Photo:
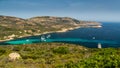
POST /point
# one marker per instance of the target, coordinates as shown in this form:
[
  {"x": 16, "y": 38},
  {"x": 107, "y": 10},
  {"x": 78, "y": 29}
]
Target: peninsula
[{"x": 14, "y": 27}]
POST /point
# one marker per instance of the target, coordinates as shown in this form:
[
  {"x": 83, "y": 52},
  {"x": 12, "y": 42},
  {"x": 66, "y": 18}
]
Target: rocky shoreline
[
  {"x": 14, "y": 27},
  {"x": 59, "y": 31}
]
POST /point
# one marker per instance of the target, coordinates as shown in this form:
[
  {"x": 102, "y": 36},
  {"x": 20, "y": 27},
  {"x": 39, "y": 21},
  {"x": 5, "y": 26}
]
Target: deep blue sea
[{"x": 107, "y": 36}]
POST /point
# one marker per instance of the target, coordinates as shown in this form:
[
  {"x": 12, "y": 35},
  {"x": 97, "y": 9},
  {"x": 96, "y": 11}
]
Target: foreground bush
[
  {"x": 59, "y": 55},
  {"x": 103, "y": 58},
  {"x": 61, "y": 50}
]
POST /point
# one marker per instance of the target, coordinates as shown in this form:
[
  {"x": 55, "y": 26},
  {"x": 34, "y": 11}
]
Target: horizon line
[{"x": 61, "y": 16}]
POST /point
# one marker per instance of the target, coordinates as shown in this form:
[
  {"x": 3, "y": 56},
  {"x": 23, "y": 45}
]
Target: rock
[{"x": 14, "y": 56}]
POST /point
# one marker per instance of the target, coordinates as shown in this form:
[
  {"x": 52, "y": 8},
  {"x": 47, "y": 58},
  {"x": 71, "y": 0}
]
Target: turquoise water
[
  {"x": 26, "y": 41},
  {"x": 108, "y": 36},
  {"x": 29, "y": 41}
]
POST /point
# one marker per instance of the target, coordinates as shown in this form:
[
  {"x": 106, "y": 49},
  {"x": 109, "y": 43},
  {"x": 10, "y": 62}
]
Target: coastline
[{"x": 59, "y": 31}]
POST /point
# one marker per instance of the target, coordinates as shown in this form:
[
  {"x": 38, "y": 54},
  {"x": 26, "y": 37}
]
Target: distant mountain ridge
[{"x": 13, "y": 25}]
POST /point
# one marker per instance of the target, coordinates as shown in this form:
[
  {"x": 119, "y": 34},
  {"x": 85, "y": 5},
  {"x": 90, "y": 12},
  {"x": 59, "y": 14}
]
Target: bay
[{"x": 107, "y": 36}]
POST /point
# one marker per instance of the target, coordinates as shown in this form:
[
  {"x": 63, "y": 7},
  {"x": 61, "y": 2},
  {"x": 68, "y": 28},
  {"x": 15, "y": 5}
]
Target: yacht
[{"x": 99, "y": 45}]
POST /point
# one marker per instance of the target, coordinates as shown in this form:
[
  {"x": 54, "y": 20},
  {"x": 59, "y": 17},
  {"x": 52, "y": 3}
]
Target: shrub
[
  {"x": 17, "y": 48},
  {"x": 2, "y": 51},
  {"x": 61, "y": 50}
]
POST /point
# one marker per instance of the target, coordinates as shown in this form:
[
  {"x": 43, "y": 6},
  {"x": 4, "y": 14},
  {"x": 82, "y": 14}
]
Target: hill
[{"x": 13, "y": 27}]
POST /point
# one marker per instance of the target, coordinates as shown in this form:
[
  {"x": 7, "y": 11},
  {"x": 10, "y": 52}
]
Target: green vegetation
[
  {"x": 59, "y": 55},
  {"x": 101, "y": 58},
  {"x": 61, "y": 50},
  {"x": 13, "y": 27}
]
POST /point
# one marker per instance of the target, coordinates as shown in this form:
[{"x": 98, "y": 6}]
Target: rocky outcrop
[{"x": 14, "y": 56}]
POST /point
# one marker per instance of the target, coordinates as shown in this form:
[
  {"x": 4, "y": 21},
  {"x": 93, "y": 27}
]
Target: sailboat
[
  {"x": 99, "y": 45},
  {"x": 43, "y": 38},
  {"x": 93, "y": 38}
]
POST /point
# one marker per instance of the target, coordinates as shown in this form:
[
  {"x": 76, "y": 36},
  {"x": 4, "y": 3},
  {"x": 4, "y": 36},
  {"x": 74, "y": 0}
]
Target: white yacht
[{"x": 99, "y": 45}]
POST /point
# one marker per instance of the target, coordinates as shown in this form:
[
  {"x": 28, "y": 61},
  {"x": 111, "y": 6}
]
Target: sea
[{"x": 107, "y": 36}]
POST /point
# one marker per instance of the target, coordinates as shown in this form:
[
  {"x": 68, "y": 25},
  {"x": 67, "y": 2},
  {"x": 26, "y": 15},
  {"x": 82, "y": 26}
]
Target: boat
[
  {"x": 48, "y": 36},
  {"x": 93, "y": 38},
  {"x": 99, "y": 45},
  {"x": 43, "y": 38},
  {"x": 27, "y": 40}
]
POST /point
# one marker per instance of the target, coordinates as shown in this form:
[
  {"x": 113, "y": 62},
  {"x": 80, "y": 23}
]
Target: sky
[{"x": 89, "y": 10}]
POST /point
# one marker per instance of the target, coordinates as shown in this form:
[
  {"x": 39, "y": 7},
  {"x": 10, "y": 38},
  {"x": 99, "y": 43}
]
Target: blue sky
[{"x": 93, "y": 10}]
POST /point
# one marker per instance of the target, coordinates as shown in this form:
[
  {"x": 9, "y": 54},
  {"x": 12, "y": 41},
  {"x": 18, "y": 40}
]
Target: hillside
[
  {"x": 13, "y": 27},
  {"x": 59, "y": 55}
]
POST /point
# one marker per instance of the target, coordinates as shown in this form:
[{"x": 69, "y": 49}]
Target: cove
[
  {"x": 108, "y": 36},
  {"x": 30, "y": 41}
]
